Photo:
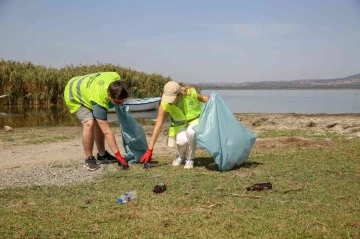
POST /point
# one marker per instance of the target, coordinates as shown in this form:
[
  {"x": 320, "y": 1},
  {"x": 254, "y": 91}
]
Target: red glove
[
  {"x": 146, "y": 158},
  {"x": 121, "y": 161}
]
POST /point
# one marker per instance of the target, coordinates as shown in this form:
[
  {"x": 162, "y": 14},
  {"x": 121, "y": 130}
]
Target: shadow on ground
[{"x": 210, "y": 164}]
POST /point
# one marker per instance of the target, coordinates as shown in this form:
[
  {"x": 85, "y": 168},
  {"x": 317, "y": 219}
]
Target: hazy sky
[{"x": 189, "y": 40}]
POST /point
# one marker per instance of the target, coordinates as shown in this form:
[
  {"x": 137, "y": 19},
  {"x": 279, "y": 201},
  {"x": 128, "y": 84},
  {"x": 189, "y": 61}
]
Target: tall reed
[{"x": 30, "y": 84}]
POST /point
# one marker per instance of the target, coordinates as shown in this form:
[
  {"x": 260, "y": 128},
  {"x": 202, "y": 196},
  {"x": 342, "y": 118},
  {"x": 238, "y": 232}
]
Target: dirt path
[{"x": 18, "y": 149}]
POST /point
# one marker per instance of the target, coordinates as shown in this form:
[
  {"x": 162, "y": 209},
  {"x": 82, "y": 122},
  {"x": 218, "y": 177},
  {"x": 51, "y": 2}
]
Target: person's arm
[
  {"x": 146, "y": 158},
  {"x": 100, "y": 114},
  {"x": 157, "y": 128},
  {"x": 108, "y": 134},
  {"x": 110, "y": 139},
  {"x": 203, "y": 98}
]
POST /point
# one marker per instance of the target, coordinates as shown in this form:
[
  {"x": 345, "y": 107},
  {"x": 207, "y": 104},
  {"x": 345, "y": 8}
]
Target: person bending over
[
  {"x": 89, "y": 97},
  {"x": 183, "y": 104}
]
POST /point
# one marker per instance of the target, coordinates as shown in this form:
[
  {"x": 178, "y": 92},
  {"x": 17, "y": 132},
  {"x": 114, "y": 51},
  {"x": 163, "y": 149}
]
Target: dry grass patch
[
  {"x": 291, "y": 142},
  {"x": 22, "y": 136}
]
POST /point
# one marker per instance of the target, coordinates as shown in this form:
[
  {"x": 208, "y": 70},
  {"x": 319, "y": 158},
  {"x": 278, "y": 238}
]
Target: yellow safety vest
[
  {"x": 183, "y": 113},
  {"x": 80, "y": 90}
]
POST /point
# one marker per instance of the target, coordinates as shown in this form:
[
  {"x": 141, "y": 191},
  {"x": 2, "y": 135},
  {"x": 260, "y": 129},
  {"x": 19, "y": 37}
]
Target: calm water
[
  {"x": 239, "y": 101},
  {"x": 291, "y": 101},
  {"x": 56, "y": 116}
]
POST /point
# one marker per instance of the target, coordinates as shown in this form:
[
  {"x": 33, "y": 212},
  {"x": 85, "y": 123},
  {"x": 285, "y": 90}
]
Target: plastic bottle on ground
[{"x": 127, "y": 197}]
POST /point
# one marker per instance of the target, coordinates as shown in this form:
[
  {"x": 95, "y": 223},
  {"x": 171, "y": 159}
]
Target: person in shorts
[{"x": 90, "y": 97}]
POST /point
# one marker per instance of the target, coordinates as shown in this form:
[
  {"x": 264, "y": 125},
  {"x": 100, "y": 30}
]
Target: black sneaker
[
  {"x": 107, "y": 158},
  {"x": 90, "y": 164}
]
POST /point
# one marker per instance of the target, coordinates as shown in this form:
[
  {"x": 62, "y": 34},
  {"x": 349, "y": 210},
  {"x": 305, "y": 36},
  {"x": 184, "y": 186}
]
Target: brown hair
[{"x": 118, "y": 90}]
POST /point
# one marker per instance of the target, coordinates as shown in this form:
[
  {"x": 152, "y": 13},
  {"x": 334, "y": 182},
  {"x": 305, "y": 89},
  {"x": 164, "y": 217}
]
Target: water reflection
[{"x": 18, "y": 116}]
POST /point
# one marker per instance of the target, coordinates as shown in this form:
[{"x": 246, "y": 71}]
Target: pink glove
[
  {"x": 121, "y": 161},
  {"x": 146, "y": 158}
]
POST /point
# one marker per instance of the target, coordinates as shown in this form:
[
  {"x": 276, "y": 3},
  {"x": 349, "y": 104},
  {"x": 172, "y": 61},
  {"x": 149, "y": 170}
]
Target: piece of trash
[
  {"x": 160, "y": 188},
  {"x": 260, "y": 186},
  {"x": 127, "y": 197},
  {"x": 8, "y": 128}
]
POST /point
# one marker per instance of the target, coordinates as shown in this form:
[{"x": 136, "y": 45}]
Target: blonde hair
[{"x": 185, "y": 88}]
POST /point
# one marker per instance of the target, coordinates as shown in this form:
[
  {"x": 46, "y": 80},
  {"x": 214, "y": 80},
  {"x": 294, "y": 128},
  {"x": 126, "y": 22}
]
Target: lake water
[
  {"x": 239, "y": 101},
  {"x": 291, "y": 101},
  {"x": 56, "y": 116}
]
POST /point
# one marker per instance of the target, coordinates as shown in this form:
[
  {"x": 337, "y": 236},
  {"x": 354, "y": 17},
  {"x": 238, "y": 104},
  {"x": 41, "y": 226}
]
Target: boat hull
[
  {"x": 143, "y": 104},
  {"x": 144, "y": 107},
  {"x": 3, "y": 98}
]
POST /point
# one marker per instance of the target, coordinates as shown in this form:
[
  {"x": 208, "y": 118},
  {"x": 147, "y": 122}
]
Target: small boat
[
  {"x": 3, "y": 98},
  {"x": 141, "y": 104},
  {"x": 138, "y": 115}
]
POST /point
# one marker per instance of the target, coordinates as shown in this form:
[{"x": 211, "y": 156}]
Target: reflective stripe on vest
[
  {"x": 183, "y": 122},
  {"x": 78, "y": 93},
  {"x": 83, "y": 90}
]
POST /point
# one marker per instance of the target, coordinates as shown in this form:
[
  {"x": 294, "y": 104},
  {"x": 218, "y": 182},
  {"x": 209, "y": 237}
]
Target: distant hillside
[{"x": 350, "y": 82}]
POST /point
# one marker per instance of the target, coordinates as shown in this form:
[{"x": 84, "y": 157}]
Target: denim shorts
[{"x": 84, "y": 114}]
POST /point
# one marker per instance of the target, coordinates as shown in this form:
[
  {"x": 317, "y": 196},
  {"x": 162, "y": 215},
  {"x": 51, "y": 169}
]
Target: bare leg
[
  {"x": 99, "y": 138},
  {"x": 88, "y": 137}
]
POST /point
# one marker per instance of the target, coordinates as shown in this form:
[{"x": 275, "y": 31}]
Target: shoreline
[{"x": 54, "y": 155}]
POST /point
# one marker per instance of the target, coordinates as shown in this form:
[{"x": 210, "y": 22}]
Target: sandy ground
[{"x": 18, "y": 153}]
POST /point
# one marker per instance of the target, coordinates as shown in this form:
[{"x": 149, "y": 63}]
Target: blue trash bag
[
  {"x": 133, "y": 135},
  {"x": 222, "y": 135}
]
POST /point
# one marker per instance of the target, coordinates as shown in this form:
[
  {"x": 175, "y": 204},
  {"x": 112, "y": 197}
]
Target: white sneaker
[
  {"x": 178, "y": 161},
  {"x": 189, "y": 164}
]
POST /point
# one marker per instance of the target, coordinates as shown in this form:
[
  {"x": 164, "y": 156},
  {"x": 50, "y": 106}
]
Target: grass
[
  {"x": 316, "y": 194},
  {"x": 311, "y": 134},
  {"x": 39, "y": 135}
]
